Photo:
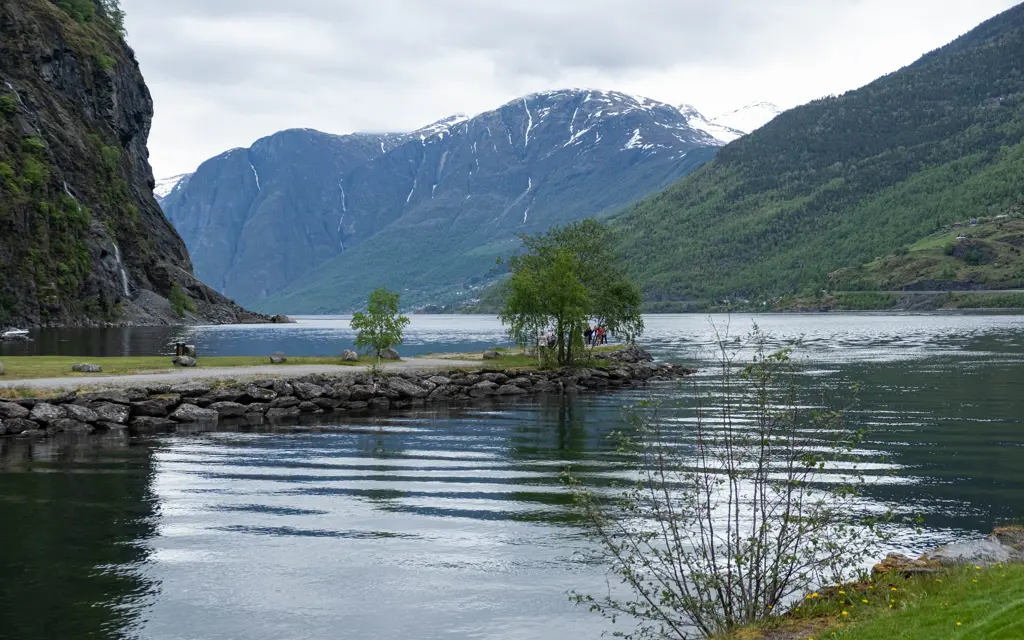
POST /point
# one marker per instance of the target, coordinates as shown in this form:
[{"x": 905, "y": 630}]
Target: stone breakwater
[{"x": 281, "y": 400}]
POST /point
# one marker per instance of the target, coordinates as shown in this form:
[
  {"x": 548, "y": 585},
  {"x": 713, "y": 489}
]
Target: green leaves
[
  {"x": 568, "y": 278},
  {"x": 380, "y": 328}
]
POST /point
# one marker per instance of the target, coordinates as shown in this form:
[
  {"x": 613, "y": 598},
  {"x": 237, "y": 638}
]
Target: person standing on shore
[{"x": 588, "y": 336}]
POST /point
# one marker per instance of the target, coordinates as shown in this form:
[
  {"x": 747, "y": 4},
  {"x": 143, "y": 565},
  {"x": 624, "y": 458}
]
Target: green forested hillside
[{"x": 843, "y": 180}]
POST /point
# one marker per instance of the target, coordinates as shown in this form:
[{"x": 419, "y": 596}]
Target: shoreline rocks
[
  {"x": 1004, "y": 545},
  {"x": 279, "y": 400}
]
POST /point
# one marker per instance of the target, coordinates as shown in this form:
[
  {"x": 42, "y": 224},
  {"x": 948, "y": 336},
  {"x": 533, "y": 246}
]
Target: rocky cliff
[
  {"x": 310, "y": 222},
  {"x": 82, "y": 240}
]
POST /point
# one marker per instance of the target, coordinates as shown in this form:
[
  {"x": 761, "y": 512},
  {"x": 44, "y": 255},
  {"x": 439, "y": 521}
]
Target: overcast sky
[{"x": 226, "y": 72}]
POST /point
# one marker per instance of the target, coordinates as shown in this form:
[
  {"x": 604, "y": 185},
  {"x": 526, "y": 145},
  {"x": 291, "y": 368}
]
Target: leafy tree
[
  {"x": 380, "y": 328},
  {"x": 726, "y": 522},
  {"x": 565, "y": 279}
]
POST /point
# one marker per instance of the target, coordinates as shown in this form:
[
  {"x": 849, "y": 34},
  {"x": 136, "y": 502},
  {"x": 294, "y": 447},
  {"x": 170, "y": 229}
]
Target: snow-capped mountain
[
  {"x": 318, "y": 220},
  {"x": 696, "y": 119},
  {"x": 164, "y": 186},
  {"x": 732, "y": 125},
  {"x": 749, "y": 118}
]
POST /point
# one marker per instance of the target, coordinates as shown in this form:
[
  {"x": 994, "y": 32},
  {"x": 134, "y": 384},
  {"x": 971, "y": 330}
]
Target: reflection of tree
[{"x": 75, "y": 519}]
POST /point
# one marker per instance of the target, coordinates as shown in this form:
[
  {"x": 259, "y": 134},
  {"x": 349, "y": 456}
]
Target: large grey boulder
[
  {"x": 362, "y": 393},
  {"x": 257, "y": 407},
  {"x": 184, "y": 361},
  {"x": 406, "y": 389},
  {"x": 86, "y": 368},
  {"x": 17, "y": 426},
  {"x": 310, "y": 407},
  {"x": 10, "y": 411},
  {"x": 485, "y": 388},
  {"x": 389, "y": 354},
  {"x": 46, "y": 413},
  {"x": 110, "y": 412},
  {"x": 278, "y": 358},
  {"x": 281, "y": 388},
  {"x": 987, "y": 551},
  {"x": 491, "y": 355},
  {"x": 379, "y": 404},
  {"x": 228, "y": 409},
  {"x": 349, "y": 355},
  {"x": 192, "y": 413},
  {"x": 287, "y": 402},
  {"x": 307, "y": 391},
  {"x": 191, "y": 389},
  {"x": 155, "y": 408},
  {"x": 80, "y": 413},
  {"x": 254, "y": 393}
]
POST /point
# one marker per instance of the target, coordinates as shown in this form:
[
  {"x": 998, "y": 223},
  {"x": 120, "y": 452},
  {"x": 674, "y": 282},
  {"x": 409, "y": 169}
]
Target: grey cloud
[{"x": 225, "y": 72}]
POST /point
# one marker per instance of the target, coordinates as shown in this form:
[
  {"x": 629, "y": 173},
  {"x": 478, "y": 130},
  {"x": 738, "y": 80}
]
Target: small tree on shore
[
  {"x": 727, "y": 522},
  {"x": 381, "y": 327},
  {"x": 565, "y": 279}
]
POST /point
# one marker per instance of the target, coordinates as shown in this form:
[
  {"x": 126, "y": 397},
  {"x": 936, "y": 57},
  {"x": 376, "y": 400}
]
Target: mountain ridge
[
  {"x": 465, "y": 185},
  {"x": 837, "y": 182}
]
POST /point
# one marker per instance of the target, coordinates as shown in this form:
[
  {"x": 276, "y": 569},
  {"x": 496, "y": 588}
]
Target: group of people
[
  {"x": 592, "y": 337},
  {"x": 595, "y": 336}
]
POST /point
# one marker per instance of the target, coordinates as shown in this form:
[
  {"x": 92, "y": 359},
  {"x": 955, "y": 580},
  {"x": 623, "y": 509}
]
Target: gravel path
[{"x": 228, "y": 373}]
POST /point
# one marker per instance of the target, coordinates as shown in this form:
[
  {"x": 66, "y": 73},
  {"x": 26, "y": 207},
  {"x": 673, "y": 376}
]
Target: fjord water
[{"x": 455, "y": 524}]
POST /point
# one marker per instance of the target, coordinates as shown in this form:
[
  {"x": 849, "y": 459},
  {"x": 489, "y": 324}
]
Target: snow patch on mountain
[
  {"x": 165, "y": 186},
  {"x": 749, "y": 118}
]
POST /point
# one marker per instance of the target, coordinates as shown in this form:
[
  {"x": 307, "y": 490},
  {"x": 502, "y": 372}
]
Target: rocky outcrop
[
  {"x": 1004, "y": 545},
  {"x": 278, "y": 401},
  {"x": 82, "y": 241}
]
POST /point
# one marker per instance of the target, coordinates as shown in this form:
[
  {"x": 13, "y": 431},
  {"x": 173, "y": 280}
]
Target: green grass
[
  {"x": 968, "y": 602},
  {"x": 33, "y": 367}
]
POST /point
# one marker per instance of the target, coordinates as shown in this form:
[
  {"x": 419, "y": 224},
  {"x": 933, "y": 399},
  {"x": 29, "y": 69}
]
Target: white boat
[{"x": 14, "y": 334}]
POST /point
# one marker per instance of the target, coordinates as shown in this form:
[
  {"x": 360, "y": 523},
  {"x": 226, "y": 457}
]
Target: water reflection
[
  {"x": 76, "y": 517},
  {"x": 456, "y": 522}
]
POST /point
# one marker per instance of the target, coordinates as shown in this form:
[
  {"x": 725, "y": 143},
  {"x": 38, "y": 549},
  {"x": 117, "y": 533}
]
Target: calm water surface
[{"x": 455, "y": 524}]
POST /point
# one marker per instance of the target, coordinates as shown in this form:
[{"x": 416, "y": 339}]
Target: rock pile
[
  {"x": 277, "y": 400},
  {"x": 631, "y": 354}
]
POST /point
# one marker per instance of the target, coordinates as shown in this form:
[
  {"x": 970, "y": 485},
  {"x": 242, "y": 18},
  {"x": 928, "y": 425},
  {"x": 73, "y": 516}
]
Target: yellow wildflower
[
  {"x": 844, "y": 613},
  {"x": 958, "y": 624},
  {"x": 864, "y": 601},
  {"x": 842, "y": 593},
  {"x": 892, "y": 589}
]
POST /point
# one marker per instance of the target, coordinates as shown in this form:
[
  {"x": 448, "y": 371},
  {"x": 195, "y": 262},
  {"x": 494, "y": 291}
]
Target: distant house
[
  {"x": 974, "y": 221},
  {"x": 1003, "y": 217},
  {"x": 961, "y": 238}
]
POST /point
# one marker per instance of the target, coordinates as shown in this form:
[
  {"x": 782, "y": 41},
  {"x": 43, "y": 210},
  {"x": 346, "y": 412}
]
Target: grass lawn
[
  {"x": 969, "y": 602},
  {"x": 515, "y": 358},
  {"x": 32, "y": 367}
]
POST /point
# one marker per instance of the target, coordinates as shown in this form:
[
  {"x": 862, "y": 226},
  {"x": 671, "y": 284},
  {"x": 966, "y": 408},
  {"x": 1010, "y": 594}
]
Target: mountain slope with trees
[{"x": 842, "y": 180}]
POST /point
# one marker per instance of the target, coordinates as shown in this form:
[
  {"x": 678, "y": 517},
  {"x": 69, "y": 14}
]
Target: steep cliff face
[{"x": 82, "y": 240}]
